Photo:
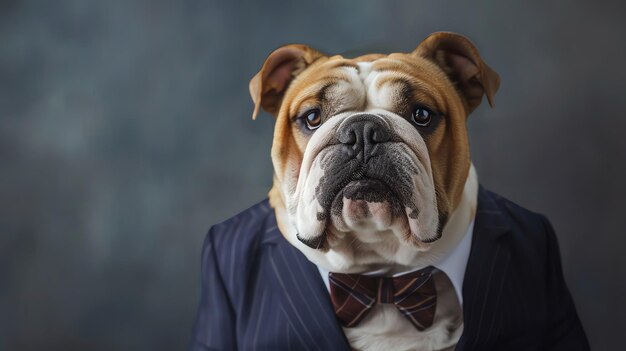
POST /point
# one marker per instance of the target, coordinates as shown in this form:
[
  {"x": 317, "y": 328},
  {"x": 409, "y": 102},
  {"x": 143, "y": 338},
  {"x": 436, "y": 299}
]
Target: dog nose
[{"x": 362, "y": 134}]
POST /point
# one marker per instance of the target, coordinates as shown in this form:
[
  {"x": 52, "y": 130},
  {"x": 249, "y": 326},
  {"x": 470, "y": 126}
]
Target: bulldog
[
  {"x": 372, "y": 169},
  {"x": 377, "y": 234}
]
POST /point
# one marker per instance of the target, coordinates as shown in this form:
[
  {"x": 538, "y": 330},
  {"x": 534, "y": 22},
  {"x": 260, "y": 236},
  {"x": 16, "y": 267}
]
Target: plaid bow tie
[{"x": 414, "y": 295}]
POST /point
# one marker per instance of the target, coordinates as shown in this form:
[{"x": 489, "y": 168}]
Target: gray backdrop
[{"x": 125, "y": 132}]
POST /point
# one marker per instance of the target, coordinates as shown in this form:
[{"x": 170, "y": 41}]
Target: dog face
[{"x": 370, "y": 154}]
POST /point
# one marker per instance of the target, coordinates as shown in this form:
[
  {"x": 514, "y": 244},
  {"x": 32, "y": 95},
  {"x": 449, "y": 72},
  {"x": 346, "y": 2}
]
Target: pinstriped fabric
[
  {"x": 506, "y": 283},
  {"x": 320, "y": 301},
  {"x": 261, "y": 293},
  {"x": 486, "y": 273},
  {"x": 255, "y": 339},
  {"x": 495, "y": 321},
  {"x": 304, "y": 305},
  {"x": 490, "y": 299},
  {"x": 293, "y": 305},
  {"x": 314, "y": 328},
  {"x": 205, "y": 337}
]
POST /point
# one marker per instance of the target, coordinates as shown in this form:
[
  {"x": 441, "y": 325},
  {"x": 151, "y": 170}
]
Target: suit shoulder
[
  {"x": 231, "y": 247},
  {"x": 519, "y": 217},
  {"x": 529, "y": 232},
  {"x": 253, "y": 214},
  {"x": 242, "y": 230}
]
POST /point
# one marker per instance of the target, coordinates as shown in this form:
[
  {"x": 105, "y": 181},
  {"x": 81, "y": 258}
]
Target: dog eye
[
  {"x": 313, "y": 119},
  {"x": 422, "y": 116}
]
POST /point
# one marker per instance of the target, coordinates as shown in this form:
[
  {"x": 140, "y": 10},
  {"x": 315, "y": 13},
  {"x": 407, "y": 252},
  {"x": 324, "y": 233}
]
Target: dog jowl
[{"x": 370, "y": 153}]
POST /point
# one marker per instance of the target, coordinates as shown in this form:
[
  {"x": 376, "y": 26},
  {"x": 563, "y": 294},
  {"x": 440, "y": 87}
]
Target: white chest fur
[{"x": 385, "y": 328}]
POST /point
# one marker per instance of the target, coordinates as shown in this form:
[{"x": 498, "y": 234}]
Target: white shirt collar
[{"x": 453, "y": 265}]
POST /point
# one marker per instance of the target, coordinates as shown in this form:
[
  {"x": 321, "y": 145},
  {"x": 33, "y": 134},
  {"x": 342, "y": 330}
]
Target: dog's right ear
[{"x": 268, "y": 87}]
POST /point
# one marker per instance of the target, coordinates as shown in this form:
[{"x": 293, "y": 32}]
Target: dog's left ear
[
  {"x": 268, "y": 87},
  {"x": 459, "y": 59}
]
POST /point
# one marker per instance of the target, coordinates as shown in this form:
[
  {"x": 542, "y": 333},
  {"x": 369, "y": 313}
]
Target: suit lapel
[
  {"x": 484, "y": 276},
  {"x": 304, "y": 299},
  {"x": 305, "y": 302}
]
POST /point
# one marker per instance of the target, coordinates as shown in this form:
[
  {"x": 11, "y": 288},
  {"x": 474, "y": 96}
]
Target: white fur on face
[{"x": 360, "y": 242}]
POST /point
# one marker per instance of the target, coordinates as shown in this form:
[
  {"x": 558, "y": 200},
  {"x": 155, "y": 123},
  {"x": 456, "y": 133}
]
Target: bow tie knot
[{"x": 414, "y": 294}]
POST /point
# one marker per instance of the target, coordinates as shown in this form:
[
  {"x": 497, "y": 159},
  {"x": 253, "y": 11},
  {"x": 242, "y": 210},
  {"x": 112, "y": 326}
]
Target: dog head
[{"x": 370, "y": 154}]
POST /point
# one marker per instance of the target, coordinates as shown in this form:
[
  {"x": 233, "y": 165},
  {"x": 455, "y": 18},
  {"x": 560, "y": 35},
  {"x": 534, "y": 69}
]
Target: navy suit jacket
[{"x": 261, "y": 293}]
